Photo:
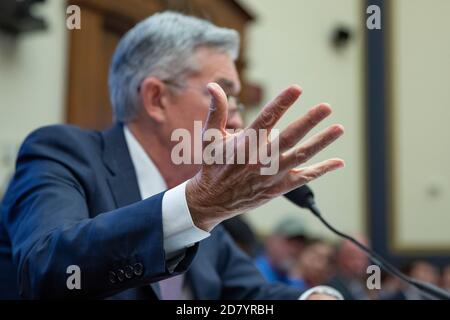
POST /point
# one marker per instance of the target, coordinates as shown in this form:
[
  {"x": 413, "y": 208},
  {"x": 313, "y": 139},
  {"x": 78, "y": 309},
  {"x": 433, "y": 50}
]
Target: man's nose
[{"x": 235, "y": 121}]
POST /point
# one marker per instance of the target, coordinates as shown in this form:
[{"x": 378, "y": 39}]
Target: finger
[
  {"x": 217, "y": 116},
  {"x": 299, "y": 177},
  {"x": 311, "y": 147},
  {"x": 273, "y": 111},
  {"x": 298, "y": 129}
]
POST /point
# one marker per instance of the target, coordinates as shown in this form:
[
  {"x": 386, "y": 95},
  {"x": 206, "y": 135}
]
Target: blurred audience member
[
  {"x": 350, "y": 274},
  {"x": 314, "y": 266},
  {"x": 425, "y": 271},
  {"x": 282, "y": 249},
  {"x": 420, "y": 270},
  {"x": 389, "y": 284},
  {"x": 445, "y": 282}
]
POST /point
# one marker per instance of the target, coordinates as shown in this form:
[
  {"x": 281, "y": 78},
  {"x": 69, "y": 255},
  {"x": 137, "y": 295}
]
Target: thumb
[{"x": 217, "y": 116}]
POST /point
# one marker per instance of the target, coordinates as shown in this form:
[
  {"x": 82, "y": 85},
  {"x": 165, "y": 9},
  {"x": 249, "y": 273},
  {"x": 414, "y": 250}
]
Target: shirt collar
[{"x": 149, "y": 179}]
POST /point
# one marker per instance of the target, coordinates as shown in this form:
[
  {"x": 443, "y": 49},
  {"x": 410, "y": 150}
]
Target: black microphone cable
[{"x": 307, "y": 201}]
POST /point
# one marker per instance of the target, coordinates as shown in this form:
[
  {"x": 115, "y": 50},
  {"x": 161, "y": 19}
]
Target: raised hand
[{"x": 222, "y": 190}]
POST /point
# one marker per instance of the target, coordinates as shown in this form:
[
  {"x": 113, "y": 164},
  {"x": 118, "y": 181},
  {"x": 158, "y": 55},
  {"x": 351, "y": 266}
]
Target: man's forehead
[{"x": 218, "y": 67}]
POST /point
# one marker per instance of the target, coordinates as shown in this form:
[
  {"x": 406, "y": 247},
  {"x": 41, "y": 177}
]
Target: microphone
[{"x": 304, "y": 198}]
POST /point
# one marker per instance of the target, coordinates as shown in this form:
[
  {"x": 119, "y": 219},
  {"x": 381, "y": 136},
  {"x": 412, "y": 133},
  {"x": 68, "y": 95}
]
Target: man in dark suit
[
  {"x": 118, "y": 207},
  {"x": 351, "y": 268}
]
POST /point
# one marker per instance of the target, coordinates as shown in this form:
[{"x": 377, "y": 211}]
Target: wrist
[{"x": 199, "y": 212}]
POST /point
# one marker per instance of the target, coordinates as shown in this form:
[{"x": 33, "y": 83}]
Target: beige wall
[
  {"x": 290, "y": 43},
  {"x": 32, "y": 82},
  {"x": 421, "y": 131}
]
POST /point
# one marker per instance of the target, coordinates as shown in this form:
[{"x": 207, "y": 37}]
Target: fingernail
[
  {"x": 338, "y": 128},
  {"x": 211, "y": 85}
]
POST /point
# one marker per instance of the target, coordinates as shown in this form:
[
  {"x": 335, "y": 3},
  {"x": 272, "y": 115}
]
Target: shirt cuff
[{"x": 178, "y": 228}]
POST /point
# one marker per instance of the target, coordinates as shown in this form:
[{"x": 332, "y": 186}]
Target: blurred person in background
[
  {"x": 420, "y": 270},
  {"x": 351, "y": 267},
  {"x": 445, "y": 281},
  {"x": 314, "y": 265},
  {"x": 425, "y": 271},
  {"x": 281, "y": 251}
]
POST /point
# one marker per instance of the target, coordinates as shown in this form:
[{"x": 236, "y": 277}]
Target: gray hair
[{"x": 163, "y": 46}]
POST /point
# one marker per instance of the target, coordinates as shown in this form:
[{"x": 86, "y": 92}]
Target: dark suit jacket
[{"x": 74, "y": 200}]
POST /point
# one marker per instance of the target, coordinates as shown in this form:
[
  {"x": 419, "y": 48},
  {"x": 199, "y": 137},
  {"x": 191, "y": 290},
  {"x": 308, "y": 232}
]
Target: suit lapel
[{"x": 122, "y": 180}]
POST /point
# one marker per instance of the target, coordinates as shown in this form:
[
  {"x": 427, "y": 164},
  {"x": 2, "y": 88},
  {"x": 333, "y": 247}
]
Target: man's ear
[{"x": 151, "y": 92}]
